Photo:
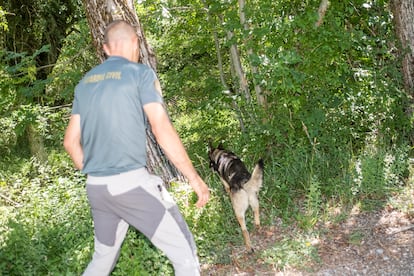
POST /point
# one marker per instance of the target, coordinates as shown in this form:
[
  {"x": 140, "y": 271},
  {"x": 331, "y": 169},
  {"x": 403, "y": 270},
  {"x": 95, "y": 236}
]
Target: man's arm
[
  {"x": 72, "y": 141},
  {"x": 172, "y": 146}
]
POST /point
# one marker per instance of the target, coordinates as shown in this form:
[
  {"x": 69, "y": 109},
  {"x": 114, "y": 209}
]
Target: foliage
[
  {"x": 3, "y": 21},
  {"x": 291, "y": 251},
  {"x": 334, "y": 132},
  {"x": 140, "y": 257},
  {"x": 36, "y": 232},
  {"x": 34, "y": 24},
  {"x": 28, "y": 101},
  {"x": 76, "y": 58},
  {"x": 334, "y": 94}
]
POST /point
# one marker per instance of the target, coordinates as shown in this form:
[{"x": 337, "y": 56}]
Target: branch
[
  {"x": 321, "y": 12},
  {"x": 59, "y": 106},
  {"x": 10, "y": 200},
  {"x": 402, "y": 229},
  {"x": 68, "y": 62}
]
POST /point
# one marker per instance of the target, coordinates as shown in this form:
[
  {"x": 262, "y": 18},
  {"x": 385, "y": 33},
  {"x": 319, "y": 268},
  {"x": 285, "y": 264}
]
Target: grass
[{"x": 46, "y": 228}]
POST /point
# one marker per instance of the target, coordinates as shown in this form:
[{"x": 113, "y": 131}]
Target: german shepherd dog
[{"x": 241, "y": 186}]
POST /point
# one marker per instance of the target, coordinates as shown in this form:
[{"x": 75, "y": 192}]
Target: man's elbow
[{"x": 68, "y": 145}]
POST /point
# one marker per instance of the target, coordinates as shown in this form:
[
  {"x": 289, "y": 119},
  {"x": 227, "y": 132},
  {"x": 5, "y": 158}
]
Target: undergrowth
[
  {"x": 334, "y": 134},
  {"x": 46, "y": 228}
]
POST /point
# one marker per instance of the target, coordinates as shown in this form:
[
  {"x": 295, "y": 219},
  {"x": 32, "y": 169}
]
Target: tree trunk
[
  {"x": 36, "y": 144},
  {"x": 323, "y": 7},
  {"x": 221, "y": 70},
  {"x": 261, "y": 100},
  {"x": 236, "y": 64},
  {"x": 238, "y": 68},
  {"x": 403, "y": 11},
  {"x": 404, "y": 21},
  {"x": 101, "y": 12}
]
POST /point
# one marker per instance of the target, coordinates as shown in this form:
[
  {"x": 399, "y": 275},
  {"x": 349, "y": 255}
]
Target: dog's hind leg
[
  {"x": 245, "y": 233},
  {"x": 240, "y": 204},
  {"x": 254, "y": 203}
]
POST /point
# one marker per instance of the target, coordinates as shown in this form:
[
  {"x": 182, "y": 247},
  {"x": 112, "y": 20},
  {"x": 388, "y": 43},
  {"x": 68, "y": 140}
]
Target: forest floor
[
  {"x": 379, "y": 243},
  {"x": 366, "y": 243}
]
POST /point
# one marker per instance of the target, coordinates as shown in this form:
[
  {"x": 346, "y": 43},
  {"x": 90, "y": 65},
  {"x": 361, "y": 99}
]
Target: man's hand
[
  {"x": 172, "y": 146},
  {"x": 201, "y": 189}
]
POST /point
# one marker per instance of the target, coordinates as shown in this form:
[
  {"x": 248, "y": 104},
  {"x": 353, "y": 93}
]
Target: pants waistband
[{"x": 103, "y": 180}]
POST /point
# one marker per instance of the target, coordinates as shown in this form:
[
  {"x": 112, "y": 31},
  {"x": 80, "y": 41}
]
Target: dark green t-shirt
[{"x": 110, "y": 100}]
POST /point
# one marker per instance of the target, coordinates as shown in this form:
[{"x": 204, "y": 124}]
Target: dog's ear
[
  {"x": 210, "y": 145},
  {"x": 220, "y": 146}
]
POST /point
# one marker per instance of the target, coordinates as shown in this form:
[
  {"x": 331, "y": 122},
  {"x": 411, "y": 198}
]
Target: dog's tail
[{"x": 256, "y": 180}]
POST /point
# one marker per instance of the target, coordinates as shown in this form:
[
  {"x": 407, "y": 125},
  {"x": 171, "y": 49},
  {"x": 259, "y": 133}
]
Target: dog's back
[{"x": 233, "y": 171}]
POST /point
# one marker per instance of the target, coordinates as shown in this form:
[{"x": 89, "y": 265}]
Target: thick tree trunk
[
  {"x": 403, "y": 11},
  {"x": 101, "y": 12}
]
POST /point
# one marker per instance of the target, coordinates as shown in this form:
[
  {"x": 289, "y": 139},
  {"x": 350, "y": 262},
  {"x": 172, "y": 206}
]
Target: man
[{"x": 106, "y": 139}]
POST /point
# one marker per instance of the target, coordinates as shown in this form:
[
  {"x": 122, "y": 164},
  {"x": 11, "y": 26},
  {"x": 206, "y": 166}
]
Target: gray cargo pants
[{"x": 139, "y": 199}]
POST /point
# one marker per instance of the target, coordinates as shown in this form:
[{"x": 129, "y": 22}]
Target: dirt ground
[
  {"x": 380, "y": 243},
  {"x": 374, "y": 243},
  {"x": 364, "y": 243}
]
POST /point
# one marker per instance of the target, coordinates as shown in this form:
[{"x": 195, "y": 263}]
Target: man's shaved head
[
  {"x": 120, "y": 39},
  {"x": 118, "y": 30}
]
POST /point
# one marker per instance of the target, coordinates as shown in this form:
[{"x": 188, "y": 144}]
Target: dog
[{"x": 242, "y": 187}]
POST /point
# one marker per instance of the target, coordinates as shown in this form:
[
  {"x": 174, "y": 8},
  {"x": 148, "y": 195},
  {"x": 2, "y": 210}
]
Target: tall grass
[{"x": 46, "y": 228}]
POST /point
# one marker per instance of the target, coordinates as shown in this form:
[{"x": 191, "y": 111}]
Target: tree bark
[
  {"x": 403, "y": 11},
  {"x": 323, "y": 7},
  {"x": 36, "y": 144},
  {"x": 101, "y": 12},
  {"x": 261, "y": 100}
]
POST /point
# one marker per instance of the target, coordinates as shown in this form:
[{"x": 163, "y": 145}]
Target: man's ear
[{"x": 106, "y": 50}]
